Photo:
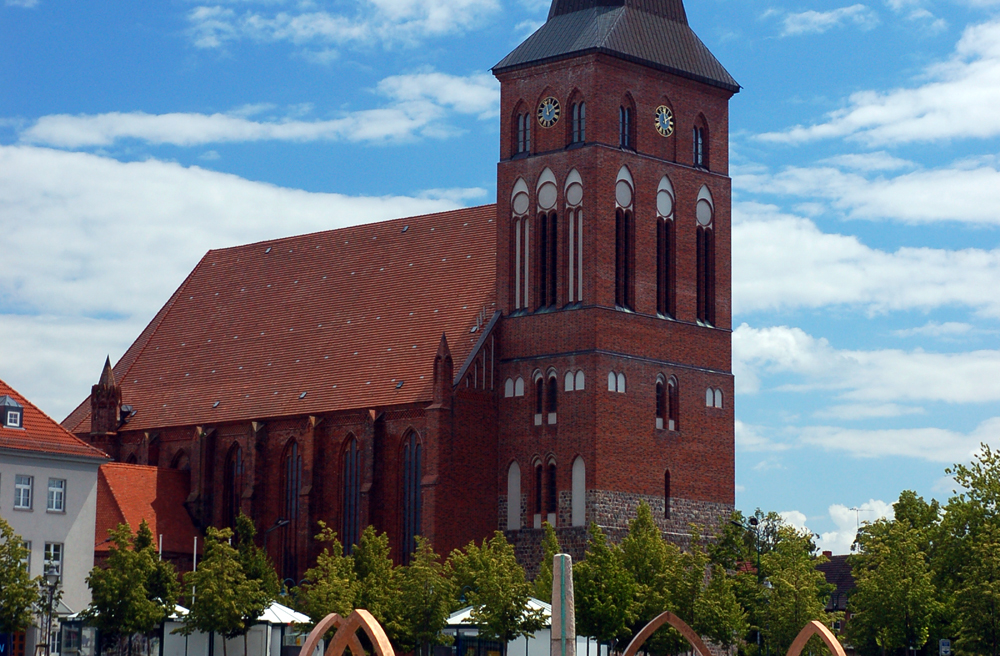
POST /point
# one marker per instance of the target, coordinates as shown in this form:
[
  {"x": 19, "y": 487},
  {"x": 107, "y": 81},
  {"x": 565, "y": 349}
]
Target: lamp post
[
  {"x": 278, "y": 523},
  {"x": 51, "y": 583}
]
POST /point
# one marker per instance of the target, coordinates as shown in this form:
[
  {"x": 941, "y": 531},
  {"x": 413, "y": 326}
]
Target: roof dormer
[{"x": 11, "y": 412}]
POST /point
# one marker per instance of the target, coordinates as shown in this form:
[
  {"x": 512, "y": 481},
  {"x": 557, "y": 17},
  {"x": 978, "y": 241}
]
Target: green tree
[
  {"x": 977, "y": 602},
  {"x": 256, "y": 567},
  {"x": 894, "y": 602},
  {"x": 222, "y": 595},
  {"x": 136, "y": 590},
  {"x": 424, "y": 602},
  {"x": 377, "y": 590},
  {"x": 330, "y": 586},
  {"x": 798, "y": 590},
  {"x": 543, "y": 581},
  {"x": 18, "y": 591},
  {"x": 495, "y": 586},
  {"x": 605, "y": 591},
  {"x": 718, "y": 614}
]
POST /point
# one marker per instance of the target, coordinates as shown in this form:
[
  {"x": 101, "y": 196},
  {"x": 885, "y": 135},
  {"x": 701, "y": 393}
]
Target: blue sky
[{"x": 865, "y": 160}]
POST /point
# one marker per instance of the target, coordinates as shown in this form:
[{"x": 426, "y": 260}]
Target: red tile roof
[
  {"x": 341, "y": 317},
  {"x": 41, "y": 433},
  {"x": 128, "y": 494}
]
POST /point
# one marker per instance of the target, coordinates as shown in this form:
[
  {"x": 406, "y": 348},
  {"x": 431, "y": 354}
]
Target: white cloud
[
  {"x": 869, "y": 377},
  {"x": 933, "y": 444},
  {"x": 93, "y": 247},
  {"x": 958, "y": 99},
  {"x": 935, "y": 329},
  {"x": 385, "y": 22},
  {"x": 418, "y": 103},
  {"x": 874, "y": 161},
  {"x": 817, "y": 22},
  {"x": 27, "y": 4},
  {"x": 862, "y": 411},
  {"x": 847, "y": 521},
  {"x": 795, "y": 518},
  {"x": 781, "y": 261},
  {"x": 966, "y": 192},
  {"x": 749, "y": 438}
]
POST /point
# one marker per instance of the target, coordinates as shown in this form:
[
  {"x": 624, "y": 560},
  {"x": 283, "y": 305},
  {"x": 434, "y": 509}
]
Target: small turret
[
  {"x": 444, "y": 374},
  {"x": 105, "y": 403}
]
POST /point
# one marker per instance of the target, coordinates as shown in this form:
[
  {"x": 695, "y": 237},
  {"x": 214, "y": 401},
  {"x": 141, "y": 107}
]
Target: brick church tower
[{"x": 613, "y": 274}]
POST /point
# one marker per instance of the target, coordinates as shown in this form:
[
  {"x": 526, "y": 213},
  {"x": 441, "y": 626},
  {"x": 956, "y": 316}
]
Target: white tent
[{"x": 274, "y": 634}]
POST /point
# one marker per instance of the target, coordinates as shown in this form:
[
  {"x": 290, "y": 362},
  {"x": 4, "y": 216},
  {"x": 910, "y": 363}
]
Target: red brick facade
[{"x": 438, "y": 363}]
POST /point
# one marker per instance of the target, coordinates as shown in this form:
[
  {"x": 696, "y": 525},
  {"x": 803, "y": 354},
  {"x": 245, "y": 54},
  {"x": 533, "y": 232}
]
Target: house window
[
  {"x": 705, "y": 246},
  {"x": 233, "y": 484},
  {"x": 11, "y": 412},
  {"x": 13, "y": 419},
  {"x": 53, "y": 558},
  {"x": 56, "y": 500},
  {"x": 579, "y": 123},
  {"x": 352, "y": 495},
  {"x": 412, "y": 501},
  {"x": 22, "y": 491},
  {"x": 292, "y": 474}
]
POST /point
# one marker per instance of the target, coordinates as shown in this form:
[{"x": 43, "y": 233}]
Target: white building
[{"x": 48, "y": 494}]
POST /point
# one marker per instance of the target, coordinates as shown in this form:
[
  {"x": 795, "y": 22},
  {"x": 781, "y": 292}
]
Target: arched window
[
  {"x": 718, "y": 397},
  {"x": 291, "y": 487},
  {"x": 519, "y": 386},
  {"x": 131, "y": 459},
  {"x": 580, "y": 380},
  {"x": 621, "y": 383},
  {"x": 551, "y": 396},
  {"x": 626, "y": 125},
  {"x": 233, "y": 485},
  {"x": 351, "y": 507},
  {"x": 699, "y": 143},
  {"x": 673, "y": 405},
  {"x": 508, "y": 388},
  {"x": 551, "y": 493},
  {"x": 705, "y": 245},
  {"x": 665, "y": 245},
  {"x": 709, "y": 397},
  {"x": 579, "y": 128},
  {"x": 513, "y": 497},
  {"x": 616, "y": 382},
  {"x": 574, "y": 236},
  {"x": 579, "y": 504},
  {"x": 539, "y": 397},
  {"x": 520, "y": 235},
  {"x": 539, "y": 478},
  {"x": 624, "y": 241},
  {"x": 411, "y": 494},
  {"x": 666, "y": 494},
  {"x": 522, "y": 131},
  {"x": 568, "y": 386},
  {"x": 547, "y": 239},
  {"x": 181, "y": 461},
  {"x": 661, "y": 402}
]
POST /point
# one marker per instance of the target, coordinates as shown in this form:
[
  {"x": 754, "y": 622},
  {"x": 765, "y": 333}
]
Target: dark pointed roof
[
  {"x": 107, "y": 375},
  {"x": 650, "y": 32}
]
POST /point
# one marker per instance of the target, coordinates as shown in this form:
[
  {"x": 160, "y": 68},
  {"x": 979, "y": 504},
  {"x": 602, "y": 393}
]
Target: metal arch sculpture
[
  {"x": 347, "y": 635},
  {"x": 816, "y": 628},
  {"x": 667, "y": 617}
]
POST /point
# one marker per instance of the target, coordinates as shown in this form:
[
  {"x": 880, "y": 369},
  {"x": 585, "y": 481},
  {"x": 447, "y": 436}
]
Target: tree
[
  {"x": 977, "y": 603},
  {"x": 135, "y": 592},
  {"x": 377, "y": 586},
  {"x": 718, "y": 615},
  {"x": 496, "y": 589},
  {"x": 331, "y": 586},
  {"x": 18, "y": 591},
  {"x": 222, "y": 595},
  {"x": 543, "y": 581},
  {"x": 605, "y": 591},
  {"x": 894, "y": 602},
  {"x": 256, "y": 567},
  {"x": 424, "y": 601}
]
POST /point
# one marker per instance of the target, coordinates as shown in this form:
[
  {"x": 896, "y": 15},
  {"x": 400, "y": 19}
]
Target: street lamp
[
  {"x": 278, "y": 523},
  {"x": 51, "y": 583}
]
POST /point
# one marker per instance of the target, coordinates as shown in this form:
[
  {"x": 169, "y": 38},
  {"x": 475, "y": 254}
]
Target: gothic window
[
  {"x": 291, "y": 487},
  {"x": 661, "y": 402},
  {"x": 568, "y": 385},
  {"x": 513, "y": 497},
  {"x": 551, "y": 396},
  {"x": 665, "y": 248},
  {"x": 579, "y": 499},
  {"x": 519, "y": 386},
  {"x": 673, "y": 405},
  {"x": 626, "y": 126},
  {"x": 579, "y": 134},
  {"x": 351, "y": 506},
  {"x": 624, "y": 241},
  {"x": 574, "y": 236},
  {"x": 539, "y": 397},
  {"x": 551, "y": 494},
  {"x": 705, "y": 245},
  {"x": 699, "y": 144},
  {"x": 508, "y": 388},
  {"x": 131, "y": 460},
  {"x": 709, "y": 397},
  {"x": 547, "y": 239},
  {"x": 522, "y": 130},
  {"x": 520, "y": 238},
  {"x": 233, "y": 485},
  {"x": 580, "y": 380},
  {"x": 181, "y": 461},
  {"x": 412, "y": 500},
  {"x": 616, "y": 382},
  {"x": 538, "y": 491},
  {"x": 718, "y": 398},
  {"x": 666, "y": 494}
]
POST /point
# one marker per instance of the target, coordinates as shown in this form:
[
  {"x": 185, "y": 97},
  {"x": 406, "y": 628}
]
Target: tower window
[
  {"x": 552, "y": 496},
  {"x": 552, "y": 396},
  {"x": 665, "y": 248},
  {"x": 624, "y": 240},
  {"x": 548, "y": 245},
  {"x": 673, "y": 405},
  {"x": 538, "y": 490},
  {"x": 666, "y": 494},
  {"x": 520, "y": 240},
  {"x": 699, "y": 146},
  {"x": 626, "y": 129},
  {"x": 661, "y": 403},
  {"x": 523, "y": 144},
  {"x": 705, "y": 245},
  {"x": 351, "y": 510},
  {"x": 412, "y": 473},
  {"x": 579, "y": 123},
  {"x": 574, "y": 236},
  {"x": 616, "y": 382}
]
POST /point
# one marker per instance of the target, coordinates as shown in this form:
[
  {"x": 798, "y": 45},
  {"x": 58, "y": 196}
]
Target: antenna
[{"x": 857, "y": 515}]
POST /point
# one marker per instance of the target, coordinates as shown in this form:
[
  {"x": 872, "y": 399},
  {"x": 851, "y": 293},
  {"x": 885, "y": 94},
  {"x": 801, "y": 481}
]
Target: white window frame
[
  {"x": 23, "y": 486},
  {"x": 14, "y": 419},
  {"x": 55, "y": 500},
  {"x": 53, "y": 555}
]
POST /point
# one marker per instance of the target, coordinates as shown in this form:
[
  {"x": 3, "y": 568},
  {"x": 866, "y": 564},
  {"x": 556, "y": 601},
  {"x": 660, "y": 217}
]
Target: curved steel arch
[
  {"x": 689, "y": 634},
  {"x": 347, "y": 635},
  {"x": 816, "y": 628}
]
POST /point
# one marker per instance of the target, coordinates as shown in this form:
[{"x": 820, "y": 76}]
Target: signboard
[{"x": 944, "y": 647}]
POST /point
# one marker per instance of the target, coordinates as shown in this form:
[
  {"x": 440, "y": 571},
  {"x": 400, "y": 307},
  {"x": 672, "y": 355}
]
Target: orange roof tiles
[
  {"x": 41, "y": 433},
  {"x": 128, "y": 494},
  {"x": 315, "y": 323}
]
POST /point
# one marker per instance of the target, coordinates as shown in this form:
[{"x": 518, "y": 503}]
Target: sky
[{"x": 865, "y": 154}]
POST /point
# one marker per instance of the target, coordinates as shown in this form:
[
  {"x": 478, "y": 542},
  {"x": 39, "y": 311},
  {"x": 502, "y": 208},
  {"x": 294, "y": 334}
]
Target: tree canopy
[{"x": 18, "y": 591}]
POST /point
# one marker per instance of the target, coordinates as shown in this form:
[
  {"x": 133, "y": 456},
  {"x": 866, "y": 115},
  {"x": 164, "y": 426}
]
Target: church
[{"x": 559, "y": 356}]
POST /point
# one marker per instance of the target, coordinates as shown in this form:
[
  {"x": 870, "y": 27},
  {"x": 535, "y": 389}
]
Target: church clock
[{"x": 548, "y": 112}]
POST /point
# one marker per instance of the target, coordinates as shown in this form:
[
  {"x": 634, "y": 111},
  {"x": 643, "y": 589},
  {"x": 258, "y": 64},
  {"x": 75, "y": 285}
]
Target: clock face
[
  {"x": 548, "y": 112},
  {"x": 664, "y": 121}
]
